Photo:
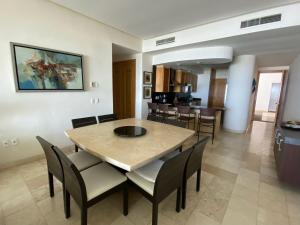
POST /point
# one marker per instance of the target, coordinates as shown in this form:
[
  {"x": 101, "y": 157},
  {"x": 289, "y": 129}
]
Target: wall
[
  {"x": 25, "y": 115},
  {"x": 264, "y": 90},
  {"x": 203, "y": 86},
  {"x": 292, "y": 108},
  {"x": 227, "y": 28},
  {"x": 221, "y": 73},
  {"x": 147, "y": 66},
  {"x": 238, "y": 99}
]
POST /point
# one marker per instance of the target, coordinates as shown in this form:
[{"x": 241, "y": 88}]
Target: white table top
[{"x": 129, "y": 153}]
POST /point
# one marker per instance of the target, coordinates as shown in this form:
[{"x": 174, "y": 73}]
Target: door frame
[{"x": 282, "y": 98}]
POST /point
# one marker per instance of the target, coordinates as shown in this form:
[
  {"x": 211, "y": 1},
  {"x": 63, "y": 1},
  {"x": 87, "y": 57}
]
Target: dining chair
[
  {"x": 91, "y": 185},
  {"x": 82, "y": 160},
  {"x": 107, "y": 118},
  {"x": 207, "y": 118},
  {"x": 193, "y": 165},
  {"x": 152, "y": 108},
  {"x": 174, "y": 122},
  {"x": 164, "y": 111},
  {"x": 165, "y": 178},
  {"x": 82, "y": 122},
  {"x": 154, "y": 118},
  {"x": 185, "y": 114}
]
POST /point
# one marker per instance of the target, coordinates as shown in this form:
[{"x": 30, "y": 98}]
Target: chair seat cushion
[
  {"x": 208, "y": 117},
  {"x": 83, "y": 160},
  {"x": 101, "y": 178},
  {"x": 150, "y": 171},
  {"x": 141, "y": 182}
]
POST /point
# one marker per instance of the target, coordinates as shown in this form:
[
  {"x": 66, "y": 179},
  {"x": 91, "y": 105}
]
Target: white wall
[
  {"x": 203, "y": 86},
  {"x": 227, "y": 28},
  {"x": 147, "y": 66},
  {"x": 292, "y": 106},
  {"x": 264, "y": 90},
  {"x": 221, "y": 73},
  {"x": 238, "y": 98},
  {"x": 25, "y": 115}
]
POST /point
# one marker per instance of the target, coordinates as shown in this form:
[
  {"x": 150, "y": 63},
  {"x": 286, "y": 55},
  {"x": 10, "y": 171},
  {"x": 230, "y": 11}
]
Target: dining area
[{"x": 114, "y": 156}]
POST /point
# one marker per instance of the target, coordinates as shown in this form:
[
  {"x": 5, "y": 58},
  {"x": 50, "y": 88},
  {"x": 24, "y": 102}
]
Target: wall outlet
[
  {"x": 14, "y": 141},
  {"x": 5, "y": 143}
]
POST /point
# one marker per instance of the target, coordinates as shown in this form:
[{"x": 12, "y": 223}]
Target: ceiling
[{"x": 145, "y": 19}]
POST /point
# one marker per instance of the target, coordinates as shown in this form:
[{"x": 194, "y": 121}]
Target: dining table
[{"x": 129, "y": 153}]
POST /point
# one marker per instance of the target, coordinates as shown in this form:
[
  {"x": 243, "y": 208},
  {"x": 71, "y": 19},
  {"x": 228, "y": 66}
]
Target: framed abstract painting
[{"x": 41, "y": 69}]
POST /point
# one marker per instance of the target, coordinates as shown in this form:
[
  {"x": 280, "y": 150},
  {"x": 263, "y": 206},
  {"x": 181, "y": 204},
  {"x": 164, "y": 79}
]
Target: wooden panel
[
  {"x": 218, "y": 92},
  {"x": 211, "y": 87},
  {"x": 194, "y": 82},
  {"x": 162, "y": 79},
  {"x": 124, "y": 89}
]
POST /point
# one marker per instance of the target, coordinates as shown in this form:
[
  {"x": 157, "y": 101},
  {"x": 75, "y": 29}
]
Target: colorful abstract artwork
[{"x": 45, "y": 70}]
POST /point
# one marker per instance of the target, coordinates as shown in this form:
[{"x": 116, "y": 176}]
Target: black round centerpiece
[{"x": 130, "y": 131}]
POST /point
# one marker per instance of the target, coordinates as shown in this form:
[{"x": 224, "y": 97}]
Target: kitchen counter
[{"x": 290, "y": 136}]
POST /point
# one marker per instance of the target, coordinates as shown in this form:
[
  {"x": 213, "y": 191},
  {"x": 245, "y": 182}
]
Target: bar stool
[
  {"x": 207, "y": 118},
  {"x": 185, "y": 114}
]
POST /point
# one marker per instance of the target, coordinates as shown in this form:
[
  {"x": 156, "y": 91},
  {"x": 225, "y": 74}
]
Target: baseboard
[
  {"x": 67, "y": 150},
  {"x": 234, "y": 131}
]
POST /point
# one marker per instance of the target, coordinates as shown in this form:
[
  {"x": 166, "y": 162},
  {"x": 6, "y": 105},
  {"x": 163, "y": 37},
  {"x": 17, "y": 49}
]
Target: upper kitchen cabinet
[
  {"x": 171, "y": 80},
  {"x": 162, "y": 79}
]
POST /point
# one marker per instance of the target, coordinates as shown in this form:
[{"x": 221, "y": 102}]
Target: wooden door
[
  {"x": 274, "y": 98},
  {"x": 124, "y": 89},
  {"x": 217, "y": 94}
]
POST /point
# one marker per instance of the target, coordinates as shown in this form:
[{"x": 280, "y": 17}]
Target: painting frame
[
  {"x": 147, "y": 92},
  {"x": 147, "y": 78},
  {"x": 13, "y": 46}
]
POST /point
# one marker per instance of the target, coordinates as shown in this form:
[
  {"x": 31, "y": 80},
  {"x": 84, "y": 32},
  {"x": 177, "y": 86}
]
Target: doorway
[
  {"x": 124, "y": 88},
  {"x": 268, "y": 96}
]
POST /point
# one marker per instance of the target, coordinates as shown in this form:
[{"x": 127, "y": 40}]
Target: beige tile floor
[{"x": 238, "y": 187}]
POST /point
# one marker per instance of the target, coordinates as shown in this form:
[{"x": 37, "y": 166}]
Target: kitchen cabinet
[
  {"x": 171, "y": 80},
  {"x": 287, "y": 155}
]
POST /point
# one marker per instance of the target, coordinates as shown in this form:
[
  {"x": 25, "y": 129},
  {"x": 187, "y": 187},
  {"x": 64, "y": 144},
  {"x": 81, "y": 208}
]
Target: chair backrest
[
  {"x": 176, "y": 123},
  {"x": 194, "y": 162},
  {"x": 53, "y": 163},
  {"x": 107, "y": 118},
  {"x": 72, "y": 178},
  {"x": 82, "y": 122},
  {"x": 163, "y": 107},
  {"x": 152, "y": 106},
  {"x": 208, "y": 112},
  {"x": 170, "y": 176},
  {"x": 181, "y": 109},
  {"x": 154, "y": 118}
]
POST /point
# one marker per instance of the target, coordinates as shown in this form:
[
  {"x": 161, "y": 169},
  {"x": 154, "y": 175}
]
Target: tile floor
[{"x": 238, "y": 187}]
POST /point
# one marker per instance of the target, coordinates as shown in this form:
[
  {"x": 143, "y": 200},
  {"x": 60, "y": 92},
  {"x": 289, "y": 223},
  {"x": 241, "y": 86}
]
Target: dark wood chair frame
[
  {"x": 53, "y": 164},
  {"x": 73, "y": 185},
  {"x": 211, "y": 123},
  {"x": 163, "y": 111},
  {"x": 193, "y": 165},
  {"x": 152, "y": 108},
  {"x": 184, "y": 113},
  {"x": 166, "y": 183},
  {"x": 82, "y": 122},
  {"x": 107, "y": 118}
]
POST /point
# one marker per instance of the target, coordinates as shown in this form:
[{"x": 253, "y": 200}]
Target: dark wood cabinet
[{"x": 287, "y": 156}]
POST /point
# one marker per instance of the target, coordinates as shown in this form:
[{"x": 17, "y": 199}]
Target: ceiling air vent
[
  {"x": 165, "y": 41},
  {"x": 262, "y": 20}
]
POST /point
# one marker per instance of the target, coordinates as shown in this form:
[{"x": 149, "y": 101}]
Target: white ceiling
[{"x": 150, "y": 18}]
